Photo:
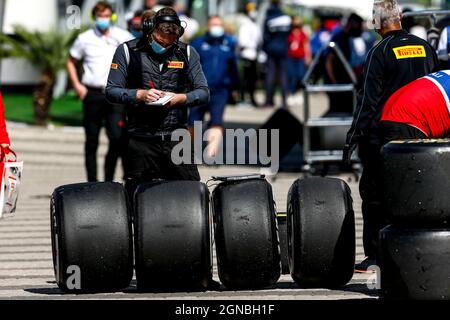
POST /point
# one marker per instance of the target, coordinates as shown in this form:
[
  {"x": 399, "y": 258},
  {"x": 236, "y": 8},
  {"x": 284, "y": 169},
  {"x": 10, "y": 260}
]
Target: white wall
[
  {"x": 18, "y": 72},
  {"x": 39, "y": 15}
]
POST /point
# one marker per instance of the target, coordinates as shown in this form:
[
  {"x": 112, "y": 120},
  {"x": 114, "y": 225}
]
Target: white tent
[{"x": 360, "y": 7}]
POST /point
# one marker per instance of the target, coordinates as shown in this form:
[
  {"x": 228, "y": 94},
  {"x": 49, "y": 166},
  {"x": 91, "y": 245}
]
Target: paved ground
[{"x": 55, "y": 157}]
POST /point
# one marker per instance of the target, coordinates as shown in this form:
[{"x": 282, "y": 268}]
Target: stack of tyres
[
  {"x": 172, "y": 236},
  {"x": 246, "y": 237},
  {"x": 413, "y": 249},
  {"x": 320, "y": 232},
  {"x": 91, "y": 237}
]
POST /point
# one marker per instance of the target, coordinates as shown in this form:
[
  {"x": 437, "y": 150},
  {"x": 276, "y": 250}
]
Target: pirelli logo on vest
[
  {"x": 175, "y": 65},
  {"x": 407, "y": 52}
]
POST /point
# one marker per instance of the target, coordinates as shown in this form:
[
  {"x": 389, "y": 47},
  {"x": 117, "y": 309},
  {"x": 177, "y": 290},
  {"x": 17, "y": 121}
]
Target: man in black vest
[{"x": 143, "y": 71}]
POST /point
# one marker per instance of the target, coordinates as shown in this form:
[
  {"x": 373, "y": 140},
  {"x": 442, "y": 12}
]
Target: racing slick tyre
[
  {"x": 172, "y": 236},
  {"x": 282, "y": 235},
  {"x": 321, "y": 232},
  {"x": 246, "y": 237},
  {"x": 414, "y": 263},
  {"x": 91, "y": 237},
  {"x": 416, "y": 182}
]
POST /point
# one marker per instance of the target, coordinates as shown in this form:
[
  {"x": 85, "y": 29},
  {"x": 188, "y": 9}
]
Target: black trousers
[
  {"x": 249, "y": 80},
  {"x": 400, "y": 131},
  {"x": 96, "y": 112},
  {"x": 370, "y": 189},
  {"x": 371, "y": 183},
  {"x": 149, "y": 159}
]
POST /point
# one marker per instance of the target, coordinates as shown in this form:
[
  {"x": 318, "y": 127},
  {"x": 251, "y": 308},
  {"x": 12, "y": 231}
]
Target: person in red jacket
[
  {"x": 418, "y": 110},
  {"x": 299, "y": 54},
  {"x": 4, "y": 137}
]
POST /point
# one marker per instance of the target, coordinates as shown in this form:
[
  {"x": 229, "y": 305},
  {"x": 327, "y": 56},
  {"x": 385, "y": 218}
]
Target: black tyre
[
  {"x": 282, "y": 235},
  {"x": 172, "y": 236},
  {"x": 91, "y": 237},
  {"x": 321, "y": 232},
  {"x": 415, "y": 263},
  {"x": 246, "y": 236},
  {"x": 416, "y": 182}
]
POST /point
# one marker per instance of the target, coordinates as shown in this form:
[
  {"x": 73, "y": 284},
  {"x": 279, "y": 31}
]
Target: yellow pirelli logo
[
  {"x": 407, "y": 52},
  {"x": 175, "y": 65}
]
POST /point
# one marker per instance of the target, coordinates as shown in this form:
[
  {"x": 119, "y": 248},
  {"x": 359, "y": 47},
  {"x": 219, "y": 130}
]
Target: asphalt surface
[{"x": 54, "y": 157}]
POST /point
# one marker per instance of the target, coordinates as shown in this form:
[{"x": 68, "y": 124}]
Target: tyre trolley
[{"x": 332, "y": 129}]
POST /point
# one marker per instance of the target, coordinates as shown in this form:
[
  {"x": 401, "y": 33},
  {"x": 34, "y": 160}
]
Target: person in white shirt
[
  {"x": 249, "y": 43},
  {"x": 444, "y": 45},
  {"x": 95, "y": 48}
]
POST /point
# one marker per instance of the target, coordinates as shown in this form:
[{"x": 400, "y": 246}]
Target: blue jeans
[
  {"x": 275, "y": 65},
  {"x": 215, "y": 107},
  {"x": 296, "y": 72}
]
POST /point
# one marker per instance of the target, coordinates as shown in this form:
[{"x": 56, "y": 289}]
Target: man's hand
[
  {"x": 347, "y": 153},
  {"x": 178, "y": 99},
  {"x": 235, "y": 95},
  {"x": 81, "y": 91},
  {"x": 3, "y": 146},
  {"x": 149, "y": 96}
]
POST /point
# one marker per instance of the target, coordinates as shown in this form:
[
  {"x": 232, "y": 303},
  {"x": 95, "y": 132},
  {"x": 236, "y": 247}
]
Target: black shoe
[
  {"x": 213, "y": 285},
  {"x": 365, "y": 264}
]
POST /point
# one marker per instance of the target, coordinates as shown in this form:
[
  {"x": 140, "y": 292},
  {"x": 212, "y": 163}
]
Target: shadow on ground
[{"x": 286, "y": 286}]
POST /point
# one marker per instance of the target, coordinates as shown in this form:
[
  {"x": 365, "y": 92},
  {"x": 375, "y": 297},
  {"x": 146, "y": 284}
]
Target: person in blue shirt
[
  {"x": 277, "y": 28},
  {"x": 218, "y": 57}
]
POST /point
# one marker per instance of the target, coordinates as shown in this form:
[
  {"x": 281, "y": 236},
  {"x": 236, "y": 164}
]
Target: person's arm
[
  {"x": 329, "y": 66},
  {"x": 368, "y": 100},
  {"x": 76, "y": 55},
  {"x": 79, "y": 88},
  {"x": 307, "y": 47},
  {"x": 199, "y": 93},
  {"x": 116, "y": 90},
  {"x": 4, "y": 137}
]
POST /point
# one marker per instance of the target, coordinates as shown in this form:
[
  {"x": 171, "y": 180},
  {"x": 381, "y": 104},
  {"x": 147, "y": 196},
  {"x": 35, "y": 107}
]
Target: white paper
[{"x": 162, "y": 101}]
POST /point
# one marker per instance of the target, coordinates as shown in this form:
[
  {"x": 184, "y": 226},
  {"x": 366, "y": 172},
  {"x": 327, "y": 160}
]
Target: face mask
[
  {"x": 137, "y": 34},
  {"x": 103, "y": 23},
  {"x": 217, "y": 31},
  {"x": 253, "y": 14},
  {"x": 157, "y": 48}
]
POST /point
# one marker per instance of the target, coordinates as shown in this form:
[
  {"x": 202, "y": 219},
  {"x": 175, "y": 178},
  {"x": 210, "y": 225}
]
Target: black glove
[{"x": 347, "y": 153}]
